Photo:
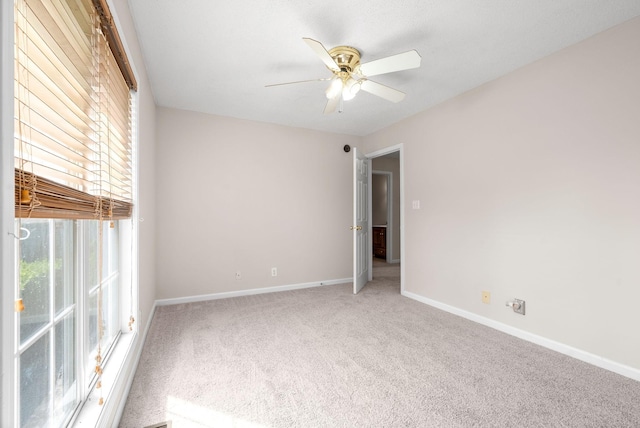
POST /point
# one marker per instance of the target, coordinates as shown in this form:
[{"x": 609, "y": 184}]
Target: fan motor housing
[{"x": 346, "y": 57}]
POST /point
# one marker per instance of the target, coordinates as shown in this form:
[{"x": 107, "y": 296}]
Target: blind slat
[
  {"x": 75, "y": 182},
  {"x": 51, "y": 69},
  {"x": 41, "y": 76},
  {"x": 73, "y": 54},
  {"x": 59, "y": 201},
  {"x": 73, "y": 138}
]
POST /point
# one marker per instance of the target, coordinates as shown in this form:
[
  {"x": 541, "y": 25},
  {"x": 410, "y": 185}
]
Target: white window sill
[{"x": 114, "y": 378}]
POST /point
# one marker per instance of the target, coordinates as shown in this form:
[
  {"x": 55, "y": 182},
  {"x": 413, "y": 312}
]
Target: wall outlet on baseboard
[
  {"x": 238, "y": 276},
  {"x": 486, "y": 297},
  {"x": 274, "y": 271}
]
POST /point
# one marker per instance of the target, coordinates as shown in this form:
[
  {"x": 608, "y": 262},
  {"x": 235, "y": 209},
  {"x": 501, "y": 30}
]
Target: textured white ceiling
[{"x": 217, "y": 56}]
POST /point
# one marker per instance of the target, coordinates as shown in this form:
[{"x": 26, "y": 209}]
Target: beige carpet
[{"x": 322, "y": 357}]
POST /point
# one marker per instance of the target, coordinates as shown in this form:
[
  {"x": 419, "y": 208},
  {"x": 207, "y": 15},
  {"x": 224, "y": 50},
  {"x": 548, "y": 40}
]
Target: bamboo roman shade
[{"x": 72, "y": 112}]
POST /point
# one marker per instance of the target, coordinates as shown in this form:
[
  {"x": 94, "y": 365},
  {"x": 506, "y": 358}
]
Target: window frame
[
  {"x": 7, "y": 251},
  {"x": 77, "y": 237}
]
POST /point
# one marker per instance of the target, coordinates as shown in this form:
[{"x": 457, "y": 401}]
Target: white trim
[
  {"x": 250, "y": 292},
  {"x": 402, "y": 223},
  {"x": 136, "y": 360},
  {"x": 570, "y": 351},
  {"x": 91, "y": 413},
  {"x": 7, "y": 242},
  {"x": 119, "y": 377},
  {"x": 385, "y": 151}
]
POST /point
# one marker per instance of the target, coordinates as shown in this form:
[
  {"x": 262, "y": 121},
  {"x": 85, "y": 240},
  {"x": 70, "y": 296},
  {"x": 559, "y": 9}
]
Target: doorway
[
  {"x": 387, "y": 169},
  {"x": 382, "y": 208}
]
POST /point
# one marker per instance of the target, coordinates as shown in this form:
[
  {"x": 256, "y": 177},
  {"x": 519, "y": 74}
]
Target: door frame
[{"x": 376, "y": 154}]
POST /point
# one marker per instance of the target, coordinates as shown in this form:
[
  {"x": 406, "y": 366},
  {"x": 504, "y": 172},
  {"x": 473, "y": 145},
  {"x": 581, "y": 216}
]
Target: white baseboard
[
  {"x": 250, "y": 292},
  {"x": 579, "y": 354}
]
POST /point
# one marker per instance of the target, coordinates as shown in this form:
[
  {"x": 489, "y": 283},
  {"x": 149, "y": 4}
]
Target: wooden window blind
[{"x": 72, "y": 112}]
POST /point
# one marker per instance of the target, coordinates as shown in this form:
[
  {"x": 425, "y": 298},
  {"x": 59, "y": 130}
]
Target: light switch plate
[{"x": 486, "y": 297}]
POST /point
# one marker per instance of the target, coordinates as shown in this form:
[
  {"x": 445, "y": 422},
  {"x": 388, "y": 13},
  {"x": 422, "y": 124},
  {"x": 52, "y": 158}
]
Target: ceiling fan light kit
[
  {"x": 349, "y": 76},
  {"x": 334, "y": 88},
  {"x": 351, "y": 88}
]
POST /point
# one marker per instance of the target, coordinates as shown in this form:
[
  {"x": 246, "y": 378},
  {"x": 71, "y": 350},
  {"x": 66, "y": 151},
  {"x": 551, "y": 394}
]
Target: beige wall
[
  {"x": 236, "y": 195},
  {"x": 530, "y": 188}
]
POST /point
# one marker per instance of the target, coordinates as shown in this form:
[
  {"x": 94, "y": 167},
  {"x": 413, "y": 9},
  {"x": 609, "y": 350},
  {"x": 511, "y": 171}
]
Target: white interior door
[{"x": 360, "y": 226}]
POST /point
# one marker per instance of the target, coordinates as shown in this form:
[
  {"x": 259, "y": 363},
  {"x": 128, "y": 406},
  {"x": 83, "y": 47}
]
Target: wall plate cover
[
  {"x": 486, "y": 297},
  {"x": 518, "y": 306}
]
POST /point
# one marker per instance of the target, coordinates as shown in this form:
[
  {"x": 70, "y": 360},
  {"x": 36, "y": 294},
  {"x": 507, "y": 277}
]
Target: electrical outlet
[
  {"x": 486, "y": 297},
  {"x": 238, "y": 276},
  {"x": 274, "y": 271},
  {"x": 517, "y": 305}
]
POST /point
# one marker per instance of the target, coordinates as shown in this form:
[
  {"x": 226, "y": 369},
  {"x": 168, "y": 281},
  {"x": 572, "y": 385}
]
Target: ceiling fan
[{"x": 349, "y": 76}]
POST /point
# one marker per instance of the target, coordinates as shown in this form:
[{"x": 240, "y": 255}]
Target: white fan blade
[
  {"x": 299, "y": 81},
  {"x": 332, "y": 104},
  {"x": 403, "y": 61},
  {"x": 382, "y": 91},
  {"x": 322, "y": 53}
]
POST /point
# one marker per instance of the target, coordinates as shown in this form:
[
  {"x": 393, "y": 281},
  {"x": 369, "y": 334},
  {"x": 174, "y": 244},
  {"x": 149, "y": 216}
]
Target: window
[
  {"x": 73, "y": 188},
  {"x": 47, "y": 342},
  {"x": 60, "y": 282}
]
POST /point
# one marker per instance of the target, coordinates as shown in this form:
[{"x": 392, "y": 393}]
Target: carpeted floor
[{"x": 322, "y": 357}]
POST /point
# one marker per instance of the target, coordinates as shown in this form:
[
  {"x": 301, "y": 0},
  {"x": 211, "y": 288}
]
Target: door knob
[{"x": 356, "y": 227}]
